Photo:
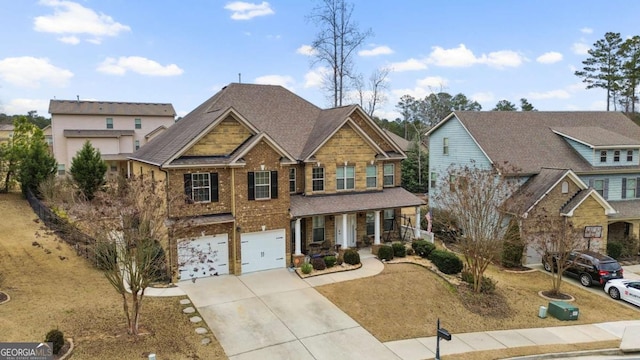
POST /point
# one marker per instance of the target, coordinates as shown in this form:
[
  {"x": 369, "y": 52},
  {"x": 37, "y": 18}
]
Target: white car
[{"x": 627, "y": 290}]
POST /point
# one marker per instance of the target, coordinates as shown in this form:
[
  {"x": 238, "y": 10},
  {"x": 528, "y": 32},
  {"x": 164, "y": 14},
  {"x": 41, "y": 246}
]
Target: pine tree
[
  {"x": 88, "y": 170},
  {"x": 38, "y": 164}
]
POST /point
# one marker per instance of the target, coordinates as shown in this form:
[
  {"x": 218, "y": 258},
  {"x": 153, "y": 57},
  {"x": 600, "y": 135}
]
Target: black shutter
[
  {"x": 187, "y": 189},
  {"x": 638, "y": 187},
  {"x": 606, "y": 189},
  {"x": 251, "y": 185},
  {"x": 624, "y": 188},
  {"x": 590, "y": 183},
  {"x": 274, "y": 184},
  {"x": 213, "y": 178}
]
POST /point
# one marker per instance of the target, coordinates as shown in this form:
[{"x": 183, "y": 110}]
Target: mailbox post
[{"x": 444, "y": 334}]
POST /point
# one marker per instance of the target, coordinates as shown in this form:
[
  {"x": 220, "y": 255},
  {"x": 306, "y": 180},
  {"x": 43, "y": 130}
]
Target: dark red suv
[{"x": 590, "y": 267}]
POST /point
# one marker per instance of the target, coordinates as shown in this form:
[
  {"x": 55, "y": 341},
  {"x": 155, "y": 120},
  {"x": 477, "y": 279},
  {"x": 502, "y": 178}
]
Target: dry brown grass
[
  {"x": 405, "y": 300},
  {"x": 48, "y": 292}
]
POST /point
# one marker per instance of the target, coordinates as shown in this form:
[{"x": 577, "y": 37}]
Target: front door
[{"x": 351, "y": 230}]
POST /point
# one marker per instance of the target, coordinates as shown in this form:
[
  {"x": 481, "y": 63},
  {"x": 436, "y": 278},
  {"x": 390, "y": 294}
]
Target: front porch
[{"x": 323, "y": 224}]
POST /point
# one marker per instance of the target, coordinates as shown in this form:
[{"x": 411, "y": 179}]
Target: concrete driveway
[{"x": 276, "y": 315}]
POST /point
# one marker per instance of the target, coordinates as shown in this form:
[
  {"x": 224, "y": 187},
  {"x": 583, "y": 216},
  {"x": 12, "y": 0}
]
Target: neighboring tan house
[
  {"x": 265, "y": 176},
  {"x": 48, "y": 137},
  {"x": 6, "y": 132},
  {"x": 117, "y": 129},
  {"x": 584, "y": 165}
]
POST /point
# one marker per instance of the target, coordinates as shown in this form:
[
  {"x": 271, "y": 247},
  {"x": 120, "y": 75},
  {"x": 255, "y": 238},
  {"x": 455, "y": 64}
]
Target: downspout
[
  {"x": 169, "y": 238},
  {"x": 234, "y": 250}
]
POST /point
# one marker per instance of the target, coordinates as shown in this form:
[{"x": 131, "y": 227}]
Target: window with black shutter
[
  {"x": 187, "y": 189},
  {"x": 262, "y": 185}
]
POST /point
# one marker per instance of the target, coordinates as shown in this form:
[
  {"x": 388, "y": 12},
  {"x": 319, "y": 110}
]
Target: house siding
[
  {"x": 614, "y": 192},
  {"x": 585, "y": 151},
  {"x": 591, "y": 213},
  {"x": 221, "y": 140}
]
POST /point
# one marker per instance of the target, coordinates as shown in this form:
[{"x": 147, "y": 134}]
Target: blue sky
[{"x": 183, "y": 52}]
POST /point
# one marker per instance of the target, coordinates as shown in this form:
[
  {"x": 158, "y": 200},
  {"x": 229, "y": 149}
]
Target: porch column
[
  {"x": 298, "y": 249},
  {"x": 376, "y": 236},
  {"x": 417, "y": 228},
  {"x": 344, "y": 231}
]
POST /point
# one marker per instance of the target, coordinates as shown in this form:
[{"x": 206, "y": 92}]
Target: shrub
[
  {"x": 410, "y": 251},
  {"x": 446, "y": 261},
  {"x": 330, "y": 260},
  {"x": 511, "y": 256},
  {"x": 385, "y": 252},
  {"x": 306, "y": 268},
  {"x": 487, "y": 284},
  {"x": 340, "y": 260},
  {"x": 318, "y": 263},
  {"x": 614, "y": 249},
  {"x": 399, "y": 250},
  {"x": 423, "y": 248},
  {"x": 351, "y": 257},
  {"x": 56, "y": 337}
]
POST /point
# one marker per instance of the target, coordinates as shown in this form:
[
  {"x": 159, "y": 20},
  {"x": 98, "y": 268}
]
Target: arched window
[{"x": 565, "y": 187}]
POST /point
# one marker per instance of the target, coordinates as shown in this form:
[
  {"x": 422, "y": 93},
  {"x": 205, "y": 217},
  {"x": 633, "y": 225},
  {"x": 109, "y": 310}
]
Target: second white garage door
[{"x": 263, "y": 250}]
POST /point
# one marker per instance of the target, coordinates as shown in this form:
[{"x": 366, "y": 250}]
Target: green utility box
[{"x": 563, "y": 311}]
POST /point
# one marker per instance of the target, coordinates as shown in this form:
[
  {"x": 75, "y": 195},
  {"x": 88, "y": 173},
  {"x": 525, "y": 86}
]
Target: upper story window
[
  {"x": 629, "y": 155},
  {"x": 601, "y": 186},
  {"x": 201, "y": 187},
  {"x": 109, "y": 123},
  {"x": 616, "y": 156},
  {"x": 262, "y": 185},
  {"x": 317, "y": 179},
  {"x": 318, "y": 228},
  {"x": 603, "y": 156},
  {"x": 48, "y": 139},
  {"x": 630, "y": 188},
  {"x": 138, "y": 123},
  {"x": 389, "y": 175},
  {"x": 445, "y": 146},
  {"x": 372, "y": 176},
  {"x": 137, "y": 142},
  {"x": 345, "y": 178},
  {"x": 292, "y": 180}
]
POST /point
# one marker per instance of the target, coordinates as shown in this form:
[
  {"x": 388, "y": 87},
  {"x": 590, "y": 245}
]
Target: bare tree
[
  {"x": 126, "y": 219},
  {"x": 554, "y": 237},
  {"x": 373, "y": 93},
  {"x": 336, "y": 43},
  {"x": 473, "y": 201}
]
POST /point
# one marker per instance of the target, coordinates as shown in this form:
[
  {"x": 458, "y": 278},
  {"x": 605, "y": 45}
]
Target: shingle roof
[
  {"x": 302, "y": 206},
  {"x": 525, "y": 139},
  {"x": 6, "y": 127},
  {"x": 576, "y": 200},
  {"x": 105, "y": 133},
  {"x": 58, "y": 107},
  {"x": 595, "y": 136},
  {"x": 534, "y": 189},
  {"x": 626, "y": 209},
  {"x": 293, "y": 123}
]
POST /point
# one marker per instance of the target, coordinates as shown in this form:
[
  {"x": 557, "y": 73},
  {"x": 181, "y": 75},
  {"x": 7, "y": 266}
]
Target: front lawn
[
  {"x": 50, "y": 287},
  {"x": 405, "y": 300}
]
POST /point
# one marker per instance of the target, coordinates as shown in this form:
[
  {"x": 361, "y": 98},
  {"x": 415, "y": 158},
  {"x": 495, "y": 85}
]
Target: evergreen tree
[
  {"x": 603, "y": 68},
  {"x": 88, "y": 170},
  {"x": 38, "y": 165},
  {"x": 631, "y": 73},
  {"x": 505, "y": 105},
  {"x": 415, "y": 169},
  {"x": 525, "y": 105}
]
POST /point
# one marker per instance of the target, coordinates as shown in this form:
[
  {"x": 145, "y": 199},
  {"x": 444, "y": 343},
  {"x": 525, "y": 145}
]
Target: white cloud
[
  {"x": 306, "y": 50},
  {"x": 579, "y": 86},
  {"x": 315, "y": 77},
  {"x": 463, "y": 57},
  {"x": 138, "y": 65},
  {"x": 23, "y": 106},
  {"x": 408, "y": 65},
  {"x": 417, "y": 92},
  {"x": 586, "y": 30},
  {"x": 29, "y": 72},
  {"x": 245, "y": 11},
  {"x": 378, "y": 50},
  {"x": 483, "y": 97},
  {"x": 73, "y": 40},
  {"x": 386, "y": 114},
  {"x": 551, "y": 94},
  {"x": 580, "y": 48},
  {"x": 72, "y": 18},
  {"x": 549, "y": 57},
  {"x": 433, "y": 82},
  {"x": 282, "y": 80}
]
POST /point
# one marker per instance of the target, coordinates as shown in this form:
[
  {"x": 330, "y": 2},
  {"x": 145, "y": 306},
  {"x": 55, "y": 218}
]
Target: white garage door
[
  {"x": 263, "y": 250},
  {"x": 203, "y": 256}
]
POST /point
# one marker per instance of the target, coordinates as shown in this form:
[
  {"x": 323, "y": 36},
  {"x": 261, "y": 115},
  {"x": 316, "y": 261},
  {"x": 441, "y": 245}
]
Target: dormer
[{"x": 601, "y": 147}]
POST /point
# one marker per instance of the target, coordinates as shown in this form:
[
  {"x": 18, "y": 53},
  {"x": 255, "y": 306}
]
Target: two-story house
[
  {"x": 584, "y": 165},
  {"x": 6, "y": 132},
  {"x": 117, "y": 129},
  {"x": 265, "y": 175}
]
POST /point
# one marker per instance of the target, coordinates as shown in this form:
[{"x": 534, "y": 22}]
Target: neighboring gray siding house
[
  {"x": 117, "y": 129},
  {"x": 595, "y": 153}
]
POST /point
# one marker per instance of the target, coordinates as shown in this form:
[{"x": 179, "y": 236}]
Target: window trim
[
  {"x": 629, "y": 155},
  {"x": 267, "y": 185},
  {"x": 194, "y": 188},
  {"x": 313, "y": 228},
  {"x": 292, "y": 181},
  {"x": 136, "y": 144},
  {"x": 445, "y": 146},
  {"x": 109, "y": 123},
  {"x": 372, "y": 223},
  {"x": 392, "y": 175},
  {"x": 345, "y": 178},
  {"x": 603, "y": 156},
  {"x": 386, "y": 219},
  {"x": 374, "y": 177},
  {"x": 61, "y": 170},
  {"x": 319, "y": 180},
  {"x": 137, "y": 123},
  {"x": 433, "y": 177},
  {"x": 616, "y": 156}
]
